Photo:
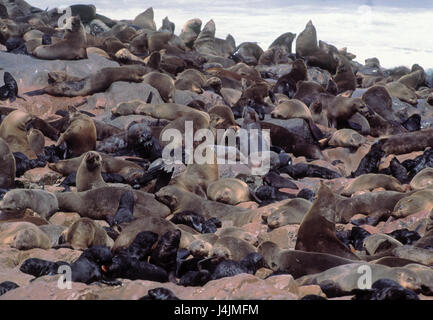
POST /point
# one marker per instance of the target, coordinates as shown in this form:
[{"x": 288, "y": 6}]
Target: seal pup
[
  {"x": 317, "y": 230},
  {"x": 89, "y": 172}
]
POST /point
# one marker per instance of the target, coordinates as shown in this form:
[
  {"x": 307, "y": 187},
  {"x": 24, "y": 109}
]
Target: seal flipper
[
  {"x": 317, "y": 133},
  {"x": 35, "y": 92},
  {"x": 149, "y": 97}
]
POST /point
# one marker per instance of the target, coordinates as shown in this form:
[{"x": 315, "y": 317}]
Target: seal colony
[{"x": 350, "y": 160}]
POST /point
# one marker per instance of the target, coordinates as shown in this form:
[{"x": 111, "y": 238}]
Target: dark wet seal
[
  {"x": 385, "y": 289},
  {"x": 125, "y": 211},
  {"x": 195, "y": 278},
  {"x": 269, "y": 194},
  {"x": 413, "y": 123},
  {"x": 159, "y": 294},
  {"x": 6, "y": 286},
  {"x": 196, "y": 221},
  {"x": 165, "y": 253},
  {"x": 405, "y": 236},
  {"x": 421, "y": 162},
  {"x": 39, "y": 267},
  {"x": 229, "y": 268},
  {"x": 370, "y": 163},
  {"x": 306, "y": 194},
  {"x": 397, "y": 170},
  {"x": 11, "y": 86},
  {"x": 23, "y": 163},
  {"x": 302, "y": 170},
  {"x": 275, "y": 180}
]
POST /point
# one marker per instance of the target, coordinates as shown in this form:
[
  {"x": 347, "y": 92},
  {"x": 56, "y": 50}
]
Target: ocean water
[{"x": 396, "y": 32}]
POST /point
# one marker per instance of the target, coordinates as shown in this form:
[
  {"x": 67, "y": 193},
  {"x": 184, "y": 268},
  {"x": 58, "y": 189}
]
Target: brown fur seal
[
  {"x": 179, "y": 200},
  {"x": 407, "y": 142},
  {"x": 148, "y": 223},
  {"x": 199, "y": 121},
  {"x": 317, "y": 230},
  {"x": 36, "y": 141},
  {"x": 89, "y": 172},
  {"x": 306, "y": 43},
  {"x": 298, "y": 263},
  {"x": 128, "y": 169},
  {"x": 197, "y": 177},
  {"x": 145, "y": 20},
  {"x": 426, "y": 241},
  {"x": 190, "y": 31},
  {"x": 345, "y": 78},
  {"x": 376, "y": 205},
  {"x": 231, "y": 248},
  {"x": 163, "y": 83},
  {"x": 237, "y": 233},
  {"x": 291, "y": 213},
  {"x": 40, "y": 201},
  {"x": 7, "y": 166},
  {"x": 94, "y": 83},
  {"x": 418, "y": 201},
  {"x": 308, "y": 91},
  {"x": 23, "y": 236},
  {"x": 85, "y": 233},
  {"x": 72, "y": 47},
  {"x": 296, "y": 109},
  {"x": 346, "y": 138},
  {"x": 169, "y": 111},
  {"x": 423, "y": 179},
  {"x": 413, "y": 80},
  {"x": 80, "y": 136},
  {"x": 229, "y": 190},
  {"x": 103, "y": 202},
  {"x": 329, "y": 110},
  {"x": 190, "y": 79},
  {"x": 378, "y": 99},
  {"x": 372, "y": 181},
  {"x": 13, "y": 130},
  {"x": 400, "y": 91},
  {"x": 221, "y": 117}
]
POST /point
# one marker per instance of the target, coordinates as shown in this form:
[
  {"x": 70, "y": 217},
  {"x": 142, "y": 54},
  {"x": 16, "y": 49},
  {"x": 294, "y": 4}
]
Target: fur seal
[
  {"x": 296, "y": 262},
  {"x": 128, "y": 169},
  {"x": 36, "y": 141},
  {"x": 346, "y": 138},
  {"x": 416, "y": 202},
  {"x": 94, "y": 83},
  {"x": 317, "y": 230},
  {"x": 295, "y": 108},
  {"x": 221, "y": 117},
  {"x": 80, "y": 136},
  {"x": 7, "y": 166},
  {"x": 147, "y": 223},
  {"x": 407, "y": 142},
  {"x": 423, "y": 179},
  {"x": 13, "y": 129},
  {"x": 89, "y": 172},
  {"x": 426, "y": 241},
  {"x": 400, "y": 91},
  {"x": 231, "y": 248},
  {"x": 102, "y": 203},
  {"x": 372, "y": 181},
  {"x": 145, "y": 20},
  {"x": 179, "y": 200},
  {"x": 72, "y": 47},
  {"x": 291, "y": 213},
  {"x": 229, "y": 190},
  {"x": 306, "y": 42},
  {"x": 85, "y": 233},
  {"x": 23, "y": 236},
  {"x": 190, "y": 79},
  {"x": 163, "y": 83},
  {"x": 43, "y": 202},
  {"x": 344, "y": 77}
]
